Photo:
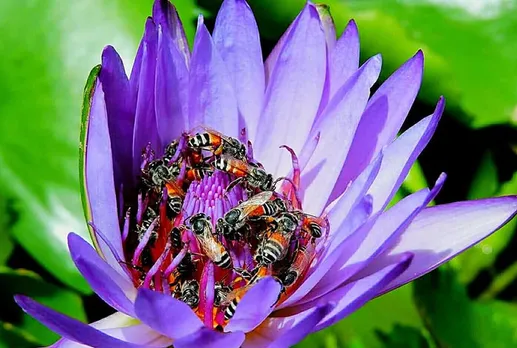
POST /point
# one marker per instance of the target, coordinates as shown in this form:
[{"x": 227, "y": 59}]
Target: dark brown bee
[
  {"x": 188, "y": 292},
  {"x": 302, "y": 259},
  {"x": 275, "y": 244},
  {"x": 257, "y": 206},
  {"x": 221, "y": 292},
  {"x": 203, "y": 230},
  {"x": 254, "y": 176},
  {"x": 218, "y": 144}
]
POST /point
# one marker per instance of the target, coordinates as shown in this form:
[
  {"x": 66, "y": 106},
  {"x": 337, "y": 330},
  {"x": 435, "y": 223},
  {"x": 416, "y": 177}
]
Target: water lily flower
[{"x": 296, "y": 145}]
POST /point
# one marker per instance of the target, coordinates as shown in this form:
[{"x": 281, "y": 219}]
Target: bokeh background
[{"x": 47, "y": 48}]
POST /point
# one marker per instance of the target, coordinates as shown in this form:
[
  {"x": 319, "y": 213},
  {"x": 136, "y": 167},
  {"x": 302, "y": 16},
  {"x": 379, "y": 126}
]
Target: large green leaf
[
  {"x": 6, "y": 220},
  {"x": 30, "y": 284},
  {"x": 378, "y": 315},
  {"x": 11, "y": 336},
  {"x": 455, "y": 321},
  {"x": 48, "y": 49},
  {"x": 470, "y": 48}
]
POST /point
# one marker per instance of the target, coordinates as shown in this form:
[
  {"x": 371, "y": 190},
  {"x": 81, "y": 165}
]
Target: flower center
[{"x": 209, "y": 222}]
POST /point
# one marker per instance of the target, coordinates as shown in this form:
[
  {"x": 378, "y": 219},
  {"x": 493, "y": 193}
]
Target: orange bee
[
  {"x": 254, "y": 176},
  {"x": 314, "y": 225},
  {"x": 175, "y": 198},
  {"x": 217, "y": 143},
  {"x": 202, "y": 227},
  {"x": 302, "y": 260},
  {"x": 275, "y": 244}
]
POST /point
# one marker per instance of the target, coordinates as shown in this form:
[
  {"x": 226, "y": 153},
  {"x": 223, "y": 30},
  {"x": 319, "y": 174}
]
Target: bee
[
  {"x": 188, "y": 292},
  {"x": 233, "y": 298},
  {"x": 254, "y": 208},
  {"x": 198, "y": 173},
  {"x": 301, "y": 261},
  {"x": 202, "y": 227},
  {"x": 254, "y": 176},
  {"x": 218, "y": 144},
  {"x": 175, "y": 198},
  {"x": 221, "y": 292},
  {"x": 175, "y": 237},
  {"x": 314, "y": 225},
  {"x": 275, "y": 244},
  {"x": 170, "y": 151},
  {"x": 157, "y": 173}
]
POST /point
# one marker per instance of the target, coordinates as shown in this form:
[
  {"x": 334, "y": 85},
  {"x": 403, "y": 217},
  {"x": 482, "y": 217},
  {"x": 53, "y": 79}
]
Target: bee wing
[
  {"x": 173, "y": 187},
  {"x": 251, "y": 204}
]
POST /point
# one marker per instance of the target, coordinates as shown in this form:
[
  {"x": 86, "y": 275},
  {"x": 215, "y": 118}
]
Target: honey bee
[
  {"x": 202, "y": 227},
  {"x": 301, "y": 262},
  {"x": 234, "y": 297},
  {"x": 275, "y": 244},
  {"x": 221, "y": 293},
  {"x": 170, "y": 151},
  {"x": 188, "y": 292},
  {"x": 157, "y": 173},
  {"x": 314, "y": 225},
  {"x": 175, "y": 198},
  {"x": 256, "y": 207},
  {"x": 218, "y": 144},
  {"x": 254, "y": 176},
  {"x": 198, "y": 173}
]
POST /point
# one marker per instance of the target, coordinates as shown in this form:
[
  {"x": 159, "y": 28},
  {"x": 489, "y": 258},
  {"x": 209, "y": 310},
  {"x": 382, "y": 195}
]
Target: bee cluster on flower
[{"x": 245, "y": 228}]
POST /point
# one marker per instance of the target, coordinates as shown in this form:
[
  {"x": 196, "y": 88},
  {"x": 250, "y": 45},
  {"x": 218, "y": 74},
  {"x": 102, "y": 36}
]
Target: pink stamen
[
  {"x": 143, "y": 242},
  {"x": 207, "y": 286},
  {"x": 125, "y": 231},
  {"x": 140, "y": 209},
  {"x": 155, "y": 268},
  {"x": 175, "y": 262}
]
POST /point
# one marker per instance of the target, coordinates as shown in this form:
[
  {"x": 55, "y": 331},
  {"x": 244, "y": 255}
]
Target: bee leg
[{"x": 231, "y": 186}]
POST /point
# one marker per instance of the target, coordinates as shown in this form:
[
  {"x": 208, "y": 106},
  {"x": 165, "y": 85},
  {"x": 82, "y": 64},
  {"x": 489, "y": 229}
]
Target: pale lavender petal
[
  {"x": 400, "y": 156},
  {"x": 123, "y": 327},
  {"x": 352, "y": 296},
  {"x": 166, "y": 16},
  {"x": 207, "y": 338},
  {"x": 113, "y": 288},
  {"x": 378, "y": 237},
  {"x": 99, "y": 180},
  {"x": 171, "y": 87},
  {"x": 255, "y": 306},
  {"x": 344, "y": 59},
  {"x": 294, "y": 93},
  {"x": 336, "y": 127},
  {"x": 302, "y": 329},
  {"x": 237, "y": 39},
  {"x": 165, "y": 314},
  {"x": 439, "y": 233},
  {"x": 121, "y": 118},
  {"x": 146, "y": 130},
  {"x": 384, "y": 115},
  {"x": 323, "y": 264},
  {"x": 212, "y": 97},
  {"x": 69, "y": 328},
  {"x": 272, "y": 59}
]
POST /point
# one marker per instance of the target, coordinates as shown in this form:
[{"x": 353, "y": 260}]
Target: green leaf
[
  {"x": 483, "y": 255},
  {"x": 470, "y": 49},
  {"x": 7, "y": 217},
  {"x": 402, "y": 336},
  {"x": 11, "y": 336},
  {"x": 30, "y": 284},
  {"x": 456, "y": 321},
  {"x": 360, "y": 327},
  {"x": 42, "y": 79}
]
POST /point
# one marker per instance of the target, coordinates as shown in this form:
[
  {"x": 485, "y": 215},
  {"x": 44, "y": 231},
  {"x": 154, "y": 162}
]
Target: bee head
[
  {"x": 198, "y": 222},
  {"x": 289, "y": 222},
  {"x": 289, "y": 278}
]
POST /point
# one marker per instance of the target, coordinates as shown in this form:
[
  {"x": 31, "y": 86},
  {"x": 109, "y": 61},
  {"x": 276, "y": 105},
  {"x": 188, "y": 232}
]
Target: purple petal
[
  {"x": 112, "y": 287},
  {"x": 207, "y": 338},
  {"x": 237, "y": 39},
  {"x": 352, "y": 296},
  {"x": 439, "y": 233},
  {"x": 99, "y": 181},
  {"x": 335, "y": 251},
  {"x": 171, "y": 87},
  {"x": 294, "y": 92},
  {"x": 400, "y": 156},
  {"x": 255, "y": 306},
  {"x": 344, "y": 59},
  {"x": 146, "y": 130},
  {"x": 337, "y": 125},
  {"x": 121, "y": 118},
  {"x": 212, "y": 97},
  {"x": 327, "y": 22},
  {"x": 165, "y": 314},
  {"x": 166, "y": 16},
  {"x": 302, "y": 329},
  {"x": 69, "y": 328},
  {"x": 386, "y": 111}
]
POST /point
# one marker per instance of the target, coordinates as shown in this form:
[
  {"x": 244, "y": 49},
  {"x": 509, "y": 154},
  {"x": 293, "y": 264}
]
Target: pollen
[{"x": 209, "y": 222}]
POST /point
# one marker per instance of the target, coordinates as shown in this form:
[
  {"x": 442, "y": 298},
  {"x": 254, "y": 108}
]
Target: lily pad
[{"x": 50, "y": 48}]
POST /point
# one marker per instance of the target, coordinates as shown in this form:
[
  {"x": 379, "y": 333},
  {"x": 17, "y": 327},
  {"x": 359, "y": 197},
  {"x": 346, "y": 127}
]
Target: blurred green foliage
[{"x": 49, "y": 46}]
